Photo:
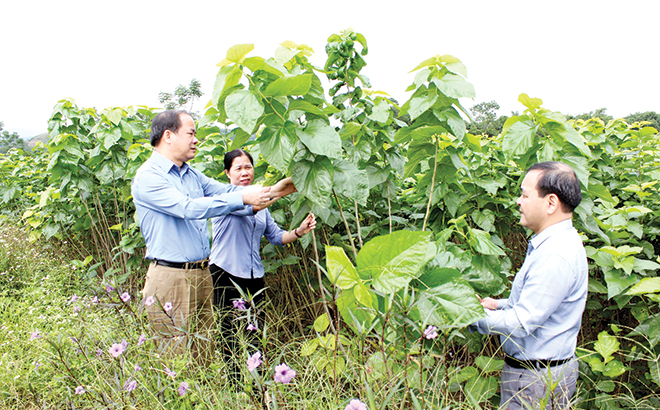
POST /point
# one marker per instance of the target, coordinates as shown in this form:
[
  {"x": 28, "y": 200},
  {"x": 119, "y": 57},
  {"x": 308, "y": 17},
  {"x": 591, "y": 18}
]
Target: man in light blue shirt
[
  {"x": 538, "y": 324},
  {"x": 172, "y": 202}
]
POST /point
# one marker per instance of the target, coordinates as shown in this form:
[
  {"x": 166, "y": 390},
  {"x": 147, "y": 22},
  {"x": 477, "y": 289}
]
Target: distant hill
[{"x": 32, "y": 142}]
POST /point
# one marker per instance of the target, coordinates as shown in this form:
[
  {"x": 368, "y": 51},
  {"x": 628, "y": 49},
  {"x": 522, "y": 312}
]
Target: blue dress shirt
[
  {"x": 541, "y": 318},
  {"x": 237, "y": 239},
  {"x": 172, "y": 205}
]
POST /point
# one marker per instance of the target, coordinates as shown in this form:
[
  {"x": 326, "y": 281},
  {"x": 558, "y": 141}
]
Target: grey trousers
[{"x": 524, "y": 389}]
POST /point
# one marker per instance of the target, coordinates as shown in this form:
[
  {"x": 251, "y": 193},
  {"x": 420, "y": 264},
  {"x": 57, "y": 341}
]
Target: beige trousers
[{"x": 189, "y": 322}]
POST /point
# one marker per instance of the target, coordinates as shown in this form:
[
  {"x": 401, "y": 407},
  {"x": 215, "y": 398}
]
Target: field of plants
[{"x": 416, "y": 218}]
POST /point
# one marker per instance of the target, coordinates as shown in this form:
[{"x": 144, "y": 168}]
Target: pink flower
[
  {"x": 116, "y": 349},
  {"x": 79, "y": 390},
  {"x": 284, "y": 374},
  {"x": 125, "y": 297},
  {"x": 150, "y": 300},
  {"x": 142, "y": 339},
  {"x": 170, "y": 372},
  {"x": 109, "y": 288},
  {"x": 431, "y": 332},
  {"x": 74, "y": 298},
  {"x": 251, "y": 326},
  {"x": 95, "y": 300},
  {"x": 99, "y": 352},
  {"x": 130, "y": 385},
  {"x": 124, "y": 344},
  {"x": 254, "y": 361},
  {"x": 167, "y": 306},
  {"x": 183, "y": 388},
  {"x": 37, "y": 365},
  {"x": 35, "y": 335},
  {"x": 355, "y": 404},
  {"x": 238, "y": 304},
  {"x": 137, "y": 368}
]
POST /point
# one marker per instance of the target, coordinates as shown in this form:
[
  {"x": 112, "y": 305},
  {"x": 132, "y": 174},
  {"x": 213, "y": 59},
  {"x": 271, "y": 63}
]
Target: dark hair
[
  {"x": 559, "y": 179},
  {"x": 233, "y": 154},
  {"x": 166, "y": 120}
]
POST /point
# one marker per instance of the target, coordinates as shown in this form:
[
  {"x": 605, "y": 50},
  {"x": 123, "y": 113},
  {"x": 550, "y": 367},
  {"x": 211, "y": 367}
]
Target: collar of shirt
[
  {"x": 166, "y": 165},
  {"x": 537, "y": 240}
]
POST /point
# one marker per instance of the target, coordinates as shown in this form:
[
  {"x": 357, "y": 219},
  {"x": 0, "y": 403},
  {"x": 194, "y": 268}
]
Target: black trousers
[{"x": 234, "y": 321}]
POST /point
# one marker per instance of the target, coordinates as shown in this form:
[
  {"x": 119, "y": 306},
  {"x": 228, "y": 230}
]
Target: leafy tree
[
  {"x": 183, "y": 97},
  {"x": 650, "y": 116},
  {"x": 9, "y": 141},
  {"x": 486, "y": 120},
  {"x": 599, "y": 113}
]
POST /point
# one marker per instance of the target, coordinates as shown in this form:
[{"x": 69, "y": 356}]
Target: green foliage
[
  {"x": 11, "y": 140},
  {"x": 417, "y": 213}
]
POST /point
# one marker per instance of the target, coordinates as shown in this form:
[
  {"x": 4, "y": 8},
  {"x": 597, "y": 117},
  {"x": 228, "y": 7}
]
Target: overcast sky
[{"x": 577, "y": 56}]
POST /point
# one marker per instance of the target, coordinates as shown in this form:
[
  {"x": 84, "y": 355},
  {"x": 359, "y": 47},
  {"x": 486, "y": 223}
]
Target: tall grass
[{"x": 67, "y": 341}]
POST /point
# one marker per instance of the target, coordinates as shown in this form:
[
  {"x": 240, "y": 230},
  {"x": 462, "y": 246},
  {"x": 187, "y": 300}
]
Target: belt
[
  {"x": 534, "y": 364},
  {"x": 183, "y": 265}
]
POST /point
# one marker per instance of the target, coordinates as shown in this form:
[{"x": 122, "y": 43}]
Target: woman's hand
[{"x": 307, "y": 225}]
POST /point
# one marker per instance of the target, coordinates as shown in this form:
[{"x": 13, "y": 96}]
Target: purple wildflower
[
  {"x": 109, "y": 288},
  {"x": 74, "y": 298},
  {"x": 116, "y": 349},
  {"x": 284, "y": 374},
  {"x": 170, "y": 372},
  {"x": 150, "y": 300},
  {"x": 35, "y": 335},
  {"x": 252, "y": 326},
  {"x": 95, "y": 300},
  {"x": 431, "y": 332},
  {"x": 130, "y": 385},
  {"x": 37, "y": 365},
  {"x": 137, "y": 368},
  {"x": 355, "y": 404},
  {"x": 254, "y": 361},
  {"x": 167, "y": 306},
  {"x": 239, "y": 304},
  {"x": 125, "y": 297},
  {"x": 183, "y": 388},
  {"x": 124, "y": 344},
  {"x": 79, "y": 390},
  {"x": 142, "y": 339}
]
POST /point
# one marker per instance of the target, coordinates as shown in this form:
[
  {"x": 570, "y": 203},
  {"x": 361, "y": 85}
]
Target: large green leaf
[
  {"x": 244, "y": 108},
  {"x": 519, "y": 138},
  {"x": 419, "y": 105},
  {"x": 451, "y": 305},
  {"x": 278, "y": 145},
  {"x": 236, "y": 54},
  {"x": 577, "y": 140},
  {"x": 454, "y": 86},
  {"x": 618, "y": 281},
  {"x": 314, "y": 179},
  {"x": 340, "y": 270},
  {"x": 351, "y": 182},
  {"x": 393, "y": 260},
  {"x": 321, "y": 139},
  {"x": 482, "y": 243},
  {"x": 649, "y": 329},
  {"x": 606, "y": 345},
  {"x": 294, "y": 85},
  {"x": 646, "y": 285},
  {"x": 356, "y": 315},
  {"x": 226, "y": 78}
]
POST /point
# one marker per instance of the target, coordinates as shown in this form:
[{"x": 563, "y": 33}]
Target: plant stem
[
  {"x": 435, "y": 168},
  {"x": 348, "y": 230}
]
